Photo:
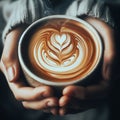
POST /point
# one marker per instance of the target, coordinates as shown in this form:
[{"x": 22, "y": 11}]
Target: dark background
[{"x": 10, "y": 109}]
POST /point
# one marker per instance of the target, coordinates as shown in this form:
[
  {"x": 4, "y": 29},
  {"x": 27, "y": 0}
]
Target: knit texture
[{"x": 28, "y": 11}]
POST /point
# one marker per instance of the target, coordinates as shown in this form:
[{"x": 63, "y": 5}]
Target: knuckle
[
  {"x": 6, "y": 58},
  {"x": 18, "y": 97},
  {"x": 46, "y": 88},
  {"x": 42, "y": 92},
  {"x": 25, "y": 105},
  {"x": 48, "y": 91},
  {"x": 36, "y": 96},
  {"x": 110, "y": 56}
]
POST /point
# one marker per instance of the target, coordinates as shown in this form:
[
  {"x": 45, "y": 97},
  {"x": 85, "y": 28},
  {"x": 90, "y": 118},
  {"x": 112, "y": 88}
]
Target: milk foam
[{"x": 62, "y": 54}]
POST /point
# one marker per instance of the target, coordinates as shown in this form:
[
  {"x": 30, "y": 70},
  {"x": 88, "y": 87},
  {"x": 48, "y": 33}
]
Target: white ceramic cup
[{"x": 85, "y": 50}]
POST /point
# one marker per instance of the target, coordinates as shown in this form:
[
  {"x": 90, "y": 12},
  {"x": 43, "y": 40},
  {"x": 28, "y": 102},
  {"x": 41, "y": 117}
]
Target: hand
[
  {"x": 79, "y": 98},
  {"x": 39, "y": 98}
]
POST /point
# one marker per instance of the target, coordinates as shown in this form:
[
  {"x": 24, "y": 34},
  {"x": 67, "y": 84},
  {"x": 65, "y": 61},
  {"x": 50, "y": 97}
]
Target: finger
[
  {"x": 23, "y": 93},
  {"x": 75, "y": 91},
  {"x": 74, "y": 110},
  {"x": 64, "y": 100},
  {"x": 73, "y": 105},
  {"x": 41, "y": 105},
  {"x": 66, "y": 104},
  {"x": 106, "y": 70},
  {"x": 53, "y": 110},
  {"x": 69, "y": 102},
  {"x": 69, "y": 105},
  {"x": 108, "y": 38},
  {"x": 63, "y": 111},
  {"x": 87, "y": 93},
  {"x": 108, "y": 63}
]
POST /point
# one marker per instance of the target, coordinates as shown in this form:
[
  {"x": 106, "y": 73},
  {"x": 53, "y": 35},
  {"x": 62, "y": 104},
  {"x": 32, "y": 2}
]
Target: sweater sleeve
[
  {"x": 28, "y": 11},
  {"x": 22, "y": 12},
  {"x": 93, "y": 8}
]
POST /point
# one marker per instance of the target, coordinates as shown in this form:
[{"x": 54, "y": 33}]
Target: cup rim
[{"x": 52, "y": 83}]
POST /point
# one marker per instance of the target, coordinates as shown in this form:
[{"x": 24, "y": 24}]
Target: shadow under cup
[{"x": 58, "y": 51}]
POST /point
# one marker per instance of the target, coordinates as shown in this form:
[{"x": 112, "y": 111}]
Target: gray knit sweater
[{"x": 28, "y": 11}]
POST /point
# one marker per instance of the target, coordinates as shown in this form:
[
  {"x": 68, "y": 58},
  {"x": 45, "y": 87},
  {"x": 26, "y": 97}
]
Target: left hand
[
  {"x": 78, "y": 98},
  {"x": 37, "y": 98}
]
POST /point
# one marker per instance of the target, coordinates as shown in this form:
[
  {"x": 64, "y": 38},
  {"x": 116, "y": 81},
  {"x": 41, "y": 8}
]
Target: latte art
[{"x": 62, "y": 52}]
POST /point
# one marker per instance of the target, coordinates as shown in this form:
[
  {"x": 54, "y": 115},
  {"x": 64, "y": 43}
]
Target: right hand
[
  {"x": 38, "y": 98},
  {"x": 79, "y": 98}
]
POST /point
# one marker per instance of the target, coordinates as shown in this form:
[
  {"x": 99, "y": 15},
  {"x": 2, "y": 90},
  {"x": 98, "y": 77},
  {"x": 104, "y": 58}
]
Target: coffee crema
[{"x": 62, "y": 50}]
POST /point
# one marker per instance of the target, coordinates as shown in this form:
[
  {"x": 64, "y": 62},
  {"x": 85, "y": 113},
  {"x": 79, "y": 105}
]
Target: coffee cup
[{"x": 59, "y": 50}]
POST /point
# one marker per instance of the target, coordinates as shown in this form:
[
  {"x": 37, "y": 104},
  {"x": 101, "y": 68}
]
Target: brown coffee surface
[{"x": 62, "y": 50}]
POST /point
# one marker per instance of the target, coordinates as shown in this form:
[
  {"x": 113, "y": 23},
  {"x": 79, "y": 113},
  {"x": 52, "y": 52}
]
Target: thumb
[
  {"x": 11, "y": 71},
  {"x": 9, "y": 61}
]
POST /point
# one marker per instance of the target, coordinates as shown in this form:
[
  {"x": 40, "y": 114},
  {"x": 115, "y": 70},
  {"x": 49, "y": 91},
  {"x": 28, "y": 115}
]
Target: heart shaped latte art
[
  {"x": 60, "y": 39},
  {"x": 62, "y": 54}
]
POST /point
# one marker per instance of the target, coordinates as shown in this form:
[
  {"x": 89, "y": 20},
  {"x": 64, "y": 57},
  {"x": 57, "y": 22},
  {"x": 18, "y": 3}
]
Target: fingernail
[
  {"x": 51, "y": 104},
  {"x": 11, "y": 73}
]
